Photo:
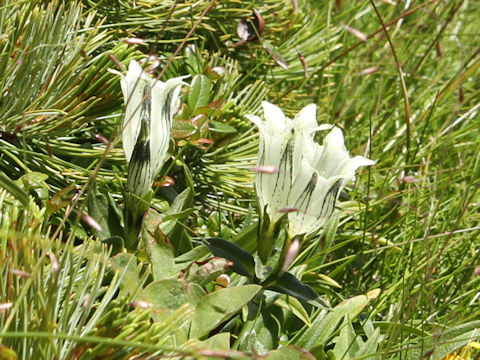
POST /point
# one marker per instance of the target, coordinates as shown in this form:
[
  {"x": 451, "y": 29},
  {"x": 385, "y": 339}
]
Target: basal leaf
[
  {"x": 219, "y": 127},
  {"x": 159, "y": 249},
  {"x": 290, "y": 285},
  {"x": 219, "y": 306},
  {"x": 289, "y": 352},
  {"x": 292, "y": 304},
  {"x": 168, "y": 295},
  {"x": 199, "y": 94},
  {"x": 243, "y": 261}
]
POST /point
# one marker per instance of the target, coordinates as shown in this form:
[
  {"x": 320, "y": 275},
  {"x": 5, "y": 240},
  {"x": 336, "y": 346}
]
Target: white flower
[
  {"x": 147, "y": 126},
  {"x": 309, "y": 176}
]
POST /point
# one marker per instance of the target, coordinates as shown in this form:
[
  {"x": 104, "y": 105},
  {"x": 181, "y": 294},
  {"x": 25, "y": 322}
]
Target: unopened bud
[
  {"x": 90, "y": 221},
  {"x": 291, "y": 254},
  {"x": 357, "y": 33},
  {"x": 53, "y": 261}
]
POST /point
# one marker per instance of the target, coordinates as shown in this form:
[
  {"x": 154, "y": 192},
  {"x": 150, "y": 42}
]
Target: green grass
[{"x": 409, "y": 226}]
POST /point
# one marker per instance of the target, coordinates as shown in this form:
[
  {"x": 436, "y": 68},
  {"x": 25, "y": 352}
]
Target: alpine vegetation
[
  {"x": 304, "y": 178},
  {"x": 147, "y": 126}
]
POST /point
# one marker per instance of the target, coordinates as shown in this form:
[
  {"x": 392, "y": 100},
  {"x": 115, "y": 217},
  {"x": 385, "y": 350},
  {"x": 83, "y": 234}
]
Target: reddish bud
[
  {"x": 53, "y": 261},
  {"x": 167, "y": 182},
  {"x": 134, "y": 41},
  {"x": 90, "y": 221},
  {"x": 287, "y": 209},
  {"x": 102, "y": 139},
  {"x": 370, "y": 70},
  {"x": 142, "y": 304},
  {"x": 204, "y": 141},
  {"x": 357, "y": 33},
  {"x": 21, "y": 273},
  {"x": 409, "y": 179},
  {"x": 116, "y": 62}
]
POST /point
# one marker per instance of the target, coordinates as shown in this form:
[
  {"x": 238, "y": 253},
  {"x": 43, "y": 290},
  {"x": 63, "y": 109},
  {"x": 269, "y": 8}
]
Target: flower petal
[
  {"x": 333, "y": 154},
  {"x": 164, "y": 104},
  {"x": 275, "y": 150},
  {"x": 134, "y": 86},
  {"x": 306, "y": 119},
  {"x": 257, "y": 121},
  {"x": 314, "y": 198},
  {"x": 275, "y": 121}
]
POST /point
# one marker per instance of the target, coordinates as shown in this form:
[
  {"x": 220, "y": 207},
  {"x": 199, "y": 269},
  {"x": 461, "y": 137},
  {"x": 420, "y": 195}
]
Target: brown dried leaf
[{"x": 251, "y": 29}]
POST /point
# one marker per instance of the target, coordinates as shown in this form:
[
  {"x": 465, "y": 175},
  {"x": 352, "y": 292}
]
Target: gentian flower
[
  {"x": 149, "y": 108},
  {"x": 147, "y": 126},
  {"x": 307, "y": 177}
]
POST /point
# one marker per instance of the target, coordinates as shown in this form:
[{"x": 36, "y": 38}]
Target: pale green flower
[
  {"x": 149, "y": 108},
  {"x": 309, "y": 177},
  {"x": 147, "y": 126}
]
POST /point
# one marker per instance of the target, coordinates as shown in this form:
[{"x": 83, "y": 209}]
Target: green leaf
[
  {"x": 326, "y": 322},
  {"x": 219, "y": 127},
  {"x": 116, "y": 243},
  {"x": 261, "y": 333},
  {"x": 247, "y": 238},
  {"x": 102, "y": 207},
  {"x": 290, "y": 285},
  {"x": 34, "y": 178},
  {"x": 168, "y": 295},
  {"x": 14, "y": 189},
  {"x": 243, "y": 261},
  {"x": 193, "y": 59},
  {"x": 197, "y": 253},
  {"x": 346, "y": 345},
  {"x": 159, "y": 249},
  {"x": 289, "y": 352},
  {"x": 216, "y": 342},
  {"x": 291, "y": 303},
  {"x": 369, "y": 348},
  {"x": 183, "y": 129},
  {"x": 219, "y": 306},
  {"x": 127, "y": 264},
  {"x": 199, "y": 94},
  {"x": 34, "y": 181}
]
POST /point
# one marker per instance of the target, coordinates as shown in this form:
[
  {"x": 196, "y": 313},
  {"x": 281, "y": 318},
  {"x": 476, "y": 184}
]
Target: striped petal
[
  {"x": 150, "y": 106},
  {"x": 310, "y": 176},
  {"x": 165, "y": 103},
  {"x": 134, "y": 88}
]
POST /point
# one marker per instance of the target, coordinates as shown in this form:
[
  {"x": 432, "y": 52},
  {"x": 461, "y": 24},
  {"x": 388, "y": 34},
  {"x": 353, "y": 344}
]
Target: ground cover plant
[{"x": 268, "y": 179}]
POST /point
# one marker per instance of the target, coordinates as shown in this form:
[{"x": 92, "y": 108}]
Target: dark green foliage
[{"x": 409, "y": 226}]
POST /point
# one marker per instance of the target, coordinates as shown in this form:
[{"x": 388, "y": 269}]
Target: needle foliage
[{"x": 396, "y": 268}]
